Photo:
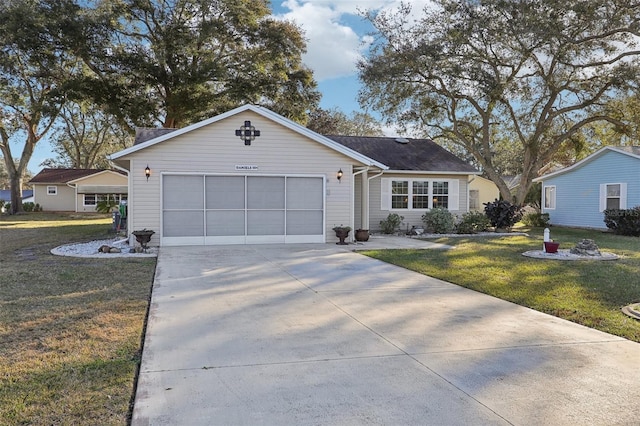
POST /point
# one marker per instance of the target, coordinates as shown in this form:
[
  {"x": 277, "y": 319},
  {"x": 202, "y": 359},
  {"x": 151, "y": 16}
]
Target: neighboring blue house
[{"x": 607, "y": 179}]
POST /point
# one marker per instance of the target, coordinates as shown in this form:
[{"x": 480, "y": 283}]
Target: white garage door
[{"x": 212, "y": 209}]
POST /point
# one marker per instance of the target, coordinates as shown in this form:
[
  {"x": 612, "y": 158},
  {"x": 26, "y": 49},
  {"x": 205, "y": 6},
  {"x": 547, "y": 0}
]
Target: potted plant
[
  {"x": 362, "y": 235},
  {"x": 342, "y": 232},
  {"x": 551, "y": 246}
]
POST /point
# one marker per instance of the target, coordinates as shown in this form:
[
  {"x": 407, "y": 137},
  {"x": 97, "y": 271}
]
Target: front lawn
[
  {"x": 587, "y": 292},
  {"x": 70, "y": 328}
]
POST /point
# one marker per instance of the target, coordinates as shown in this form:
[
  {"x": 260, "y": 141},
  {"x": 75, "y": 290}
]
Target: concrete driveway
[{"x": 315, "y": 335}]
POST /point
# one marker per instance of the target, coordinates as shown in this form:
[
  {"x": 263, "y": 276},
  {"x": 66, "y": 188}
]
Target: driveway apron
[{"x": 316, "y": 334}]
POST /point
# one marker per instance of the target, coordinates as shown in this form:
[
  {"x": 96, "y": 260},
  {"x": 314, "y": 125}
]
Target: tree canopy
[
  {"x": 34, "y": 69},
  {"x": 335, "y": 122},
  {"x": 529, "y": 73},
  {"x": 175, "y": 62}
]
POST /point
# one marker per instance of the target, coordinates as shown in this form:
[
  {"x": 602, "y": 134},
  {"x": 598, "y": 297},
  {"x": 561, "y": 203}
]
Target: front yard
[
  {"x": 70, "y": 328},
  {"x": 587, "y": 292}
]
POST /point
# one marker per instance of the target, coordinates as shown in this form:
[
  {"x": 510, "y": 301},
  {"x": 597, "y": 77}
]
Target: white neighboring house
[
  {"x": 252, "y": 176},
  {"x": 578, "y": 195},
  {"x": 77, "y": 190}
]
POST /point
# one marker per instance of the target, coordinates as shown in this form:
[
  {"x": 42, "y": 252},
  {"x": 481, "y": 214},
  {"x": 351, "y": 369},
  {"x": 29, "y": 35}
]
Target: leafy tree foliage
[
  {"x": 84, "y": 137},
  {"x": 175, "y": 62},
  {"x": 34, "y": 69},
  {"x": 335, "y": 122},
  {"x": 534, "y": 73}
]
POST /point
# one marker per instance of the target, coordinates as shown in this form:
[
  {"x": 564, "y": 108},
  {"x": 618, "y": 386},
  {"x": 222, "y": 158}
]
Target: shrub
[
  {"x": 28, "y": 206},
  {"x": 37, "y": 208},
  {"x": 623, "y": 222},
  {"x": 536, "y": 219},
  {"x": 391, "y": 223},
  {"x": 439, "y": 220},
  {"x": 472, "y": 223},
  {"x": 502, "y": 214}
]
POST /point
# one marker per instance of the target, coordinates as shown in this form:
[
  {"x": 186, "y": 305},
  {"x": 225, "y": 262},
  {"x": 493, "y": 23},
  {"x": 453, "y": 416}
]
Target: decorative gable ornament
[{"x": 247, "y": 132}]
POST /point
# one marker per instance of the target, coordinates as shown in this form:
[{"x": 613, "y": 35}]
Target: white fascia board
[
  {"x": 427, "y": 172},
  {"x": 584, "y": 161},
  {"x": 265, "y": 113}
]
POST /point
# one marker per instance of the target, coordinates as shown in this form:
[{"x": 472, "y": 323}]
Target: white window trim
[
  {"x": 603, "y": 195},
  {"x": 386, "y": 194},
  {"x": 552, "y": 205},
  {"x": 54, "y": 188}
]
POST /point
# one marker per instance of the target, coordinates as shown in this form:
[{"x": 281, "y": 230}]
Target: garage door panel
[
  {"x": 304, "y": 193},
  {"x": 304, "y": 222},
  {"x": 265, "y": 193},
  {"x": 225, "y": 223},
  {"x": 265, "y": 222},
  {"x": 183, "y": 192},
  {"x": 225, "y": 192},
  {"x": 181, "y": 223}
]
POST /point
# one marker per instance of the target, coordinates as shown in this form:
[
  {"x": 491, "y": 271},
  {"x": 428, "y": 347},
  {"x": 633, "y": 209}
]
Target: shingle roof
[
  {"x": 406, "y": 154},
  {"x": 144, "y": 134},
  {"x": 62, "y": 175}
]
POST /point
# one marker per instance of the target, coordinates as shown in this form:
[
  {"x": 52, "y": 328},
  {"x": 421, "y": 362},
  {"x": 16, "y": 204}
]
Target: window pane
[
  {"x": 420, "y": 201},
  {"x": 420, "y": 188},
  {"x": 89, "y": 199},
  {"x": 474, "y": 199},
  {"x": 399, "y": 202},
  {"x": 613, "y": 203},
  {"x": 549, "y": 197},
  {"x": 440, "y": 188},
  {"x": 304, "y": 193},
  {"x": 441, "y": 201},
  {"x": 183, "y": 192},
  {"x": 225, "y": 192},
  {"x": 400, "y": 187},
  {"x": 265, "y": 222},
  {"x": 613, "y": 190}
]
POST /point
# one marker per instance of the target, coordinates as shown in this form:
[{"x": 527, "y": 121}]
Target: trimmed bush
[
  {"x": 28, "y": 206},
  {"x": 502, "y": 214},
  {"x": 623, "y": 222},
  {"x": 439, "y": 221},
  {"x": 536, "y": 219},
  {"x": 472, "y": 223},
  {"x": 391, "y": 223}
]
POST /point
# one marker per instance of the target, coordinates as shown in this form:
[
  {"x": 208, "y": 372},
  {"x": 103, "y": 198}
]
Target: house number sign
[{"x": 246, "y": 167}]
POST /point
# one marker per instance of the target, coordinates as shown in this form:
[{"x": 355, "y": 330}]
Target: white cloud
[{"x": 334, "y": 46}]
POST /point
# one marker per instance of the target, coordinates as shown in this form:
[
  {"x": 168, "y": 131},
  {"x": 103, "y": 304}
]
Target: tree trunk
[{"x": 16, "y": 193}]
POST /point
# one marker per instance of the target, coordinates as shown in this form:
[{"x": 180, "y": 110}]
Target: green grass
[
  {"x": 586, "y": 292},
  {"x": 70, "y": 328}
]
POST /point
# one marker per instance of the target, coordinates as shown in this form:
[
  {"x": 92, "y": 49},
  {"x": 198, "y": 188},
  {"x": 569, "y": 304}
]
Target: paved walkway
[{"x": 316, "y": 334}]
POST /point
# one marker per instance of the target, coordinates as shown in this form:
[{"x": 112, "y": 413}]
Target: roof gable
[
  {"x": 163, "y": 135},
  {"x": 632, "y": 151},
  {"x": 401, "y": 154}
]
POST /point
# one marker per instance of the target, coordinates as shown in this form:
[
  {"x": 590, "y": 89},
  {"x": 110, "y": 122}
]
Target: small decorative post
[{"x": 546, "y": 239}]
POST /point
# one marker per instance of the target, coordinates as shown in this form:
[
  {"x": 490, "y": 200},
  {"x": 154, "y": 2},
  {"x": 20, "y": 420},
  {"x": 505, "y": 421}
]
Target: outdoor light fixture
[
  {"x": 147, "y": 172},
  {"x": 339, "y": 175}
]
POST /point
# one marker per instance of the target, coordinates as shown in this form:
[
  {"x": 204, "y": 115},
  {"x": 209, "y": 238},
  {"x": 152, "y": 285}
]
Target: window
[
  {"x": 52, "y": 190},
  {"x": 613, "y": 196},
  {"x": 399, "y": 194},
  {"x": 94, "y": 199},
  {"x": 550, "y": 197},
  {"x": 441, "y": 194},
  {"x": 474, "y": 199},
  {"x": 419, "y": 194}
]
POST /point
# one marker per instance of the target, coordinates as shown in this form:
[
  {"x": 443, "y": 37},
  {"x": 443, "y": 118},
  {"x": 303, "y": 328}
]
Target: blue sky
[{"x": 337, "y": 37}]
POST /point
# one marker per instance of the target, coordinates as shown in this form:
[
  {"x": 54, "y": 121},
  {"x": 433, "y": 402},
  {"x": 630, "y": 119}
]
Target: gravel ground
[{"x": 90, "y": 249}]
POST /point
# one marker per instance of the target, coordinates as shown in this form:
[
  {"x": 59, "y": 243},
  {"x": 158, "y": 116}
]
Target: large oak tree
[
  {"x": 175, "y": 62},
  {"x": 34, "y": 69},
  {"x": 479, "y": 73}
]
